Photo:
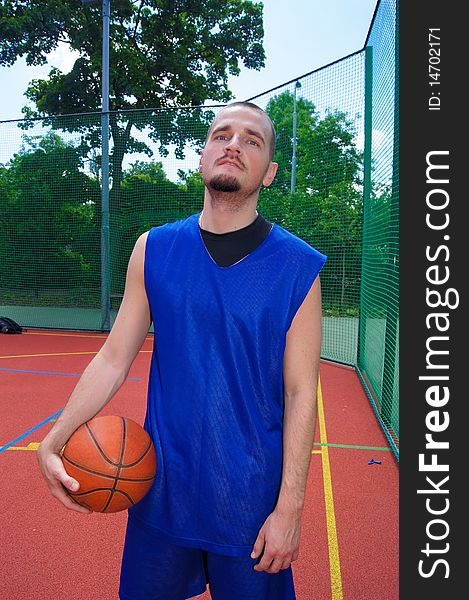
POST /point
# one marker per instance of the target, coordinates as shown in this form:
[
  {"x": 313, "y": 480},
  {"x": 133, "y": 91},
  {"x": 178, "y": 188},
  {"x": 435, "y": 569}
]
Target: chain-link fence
[
  {"x": 378, "y": 342},
  {"x": 336, "y": 187}
]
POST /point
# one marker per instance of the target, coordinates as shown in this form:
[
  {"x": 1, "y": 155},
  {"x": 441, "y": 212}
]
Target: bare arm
[
  {"x": 279, "y": 537},
  {"x": 102, "y": 377}
]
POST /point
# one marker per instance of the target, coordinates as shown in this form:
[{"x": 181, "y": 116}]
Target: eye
[
  {"x": 253, "y": 143},
  {"x": 221, "y": 137}
]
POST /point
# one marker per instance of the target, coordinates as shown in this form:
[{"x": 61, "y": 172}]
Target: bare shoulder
[
  {"x": 133, "y": 319},
  {"x": 309, "y": 312},
  {"x": 141, "y": 243},
  {"x": 137, "y": 258},
  {"x": 142, "y": 239}
]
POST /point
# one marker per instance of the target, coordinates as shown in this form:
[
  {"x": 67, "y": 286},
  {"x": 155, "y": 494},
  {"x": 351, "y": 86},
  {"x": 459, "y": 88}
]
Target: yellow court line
[
  {"x": 98, "y": 336},
  {"x": 49, "y": 354},
  {"x": 334, "y": 560},
  {"x": 32, "y": 446},
  {"x": 333, "y": 546},
  {"x": 35, "y": 446},
  {"x": 60, "y": 354}
]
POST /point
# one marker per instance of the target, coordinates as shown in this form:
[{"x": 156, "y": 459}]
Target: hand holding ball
[{"x": 114, "y": 461}]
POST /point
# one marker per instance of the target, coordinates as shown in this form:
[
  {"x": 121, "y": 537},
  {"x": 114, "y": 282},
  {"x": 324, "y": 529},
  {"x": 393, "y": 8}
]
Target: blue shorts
[{"x": 153, "y": 569}]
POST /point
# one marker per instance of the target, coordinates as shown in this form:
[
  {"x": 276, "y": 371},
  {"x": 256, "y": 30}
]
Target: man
[{"x": 236, "y": 307}]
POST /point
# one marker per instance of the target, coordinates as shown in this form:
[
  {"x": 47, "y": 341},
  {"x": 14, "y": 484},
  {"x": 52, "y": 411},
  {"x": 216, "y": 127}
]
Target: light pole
[
  {"x": 105, "y": 233},
  {"x": 293, "y": 159}
]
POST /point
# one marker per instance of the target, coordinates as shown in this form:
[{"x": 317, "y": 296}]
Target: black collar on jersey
[{"x": 226, "y": 249}]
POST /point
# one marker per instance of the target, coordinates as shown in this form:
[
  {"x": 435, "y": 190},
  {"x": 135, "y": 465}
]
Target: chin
[{"x": 225, "y": 183}]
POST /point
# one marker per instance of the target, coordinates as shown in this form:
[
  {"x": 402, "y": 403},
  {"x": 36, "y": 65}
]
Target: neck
[{"x": 224, "y": 217}]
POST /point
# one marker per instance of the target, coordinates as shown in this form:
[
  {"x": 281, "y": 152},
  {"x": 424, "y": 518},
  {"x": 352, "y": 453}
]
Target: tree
[
  {"x": 280, "y": 110},
  {"x": 149, "y": 199},
  {"x": 326, "y": 150},
  {"x": 327, "y": 206},
  {"x": 193, "y": 188},
  {"x": 340, "y": 226},
  {"x": 163, "y": 54},
  {"x": 50, "y": 236}
]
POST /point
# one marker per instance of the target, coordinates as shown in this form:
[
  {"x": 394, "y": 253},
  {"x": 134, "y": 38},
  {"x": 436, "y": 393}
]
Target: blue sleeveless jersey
[{"x": 215, "y": 394}]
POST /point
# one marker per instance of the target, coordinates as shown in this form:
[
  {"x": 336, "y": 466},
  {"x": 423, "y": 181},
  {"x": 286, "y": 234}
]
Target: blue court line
[
  {"x": 26, "y": 433},
  {"x": 54, "y": 373}
]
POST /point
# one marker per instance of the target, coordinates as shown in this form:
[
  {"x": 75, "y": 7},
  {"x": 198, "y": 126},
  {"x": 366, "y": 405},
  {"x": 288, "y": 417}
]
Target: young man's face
[{"x": 236, "y": 156}]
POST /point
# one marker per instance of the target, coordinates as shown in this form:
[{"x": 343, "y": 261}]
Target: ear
[
  {"x": 270, "y": 174},
  {"x": 200, "y": 161}
]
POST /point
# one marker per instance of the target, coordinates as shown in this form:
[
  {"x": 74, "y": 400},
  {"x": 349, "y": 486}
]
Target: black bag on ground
[{"x": 9, "y": 326}]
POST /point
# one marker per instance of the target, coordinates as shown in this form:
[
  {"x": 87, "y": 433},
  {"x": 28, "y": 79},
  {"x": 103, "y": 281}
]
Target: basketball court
[{"x": 349, "y": 546}]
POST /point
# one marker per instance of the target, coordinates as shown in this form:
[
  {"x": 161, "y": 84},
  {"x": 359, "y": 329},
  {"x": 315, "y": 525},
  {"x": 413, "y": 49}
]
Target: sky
[{"x": 299, "y": 36}]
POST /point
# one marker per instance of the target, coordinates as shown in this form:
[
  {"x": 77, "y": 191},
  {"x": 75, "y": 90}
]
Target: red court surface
[{"x": 349, "y": 547}]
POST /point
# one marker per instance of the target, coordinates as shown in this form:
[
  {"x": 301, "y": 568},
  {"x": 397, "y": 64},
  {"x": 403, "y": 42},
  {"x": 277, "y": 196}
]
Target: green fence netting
[
  {"x": 336, "y": 187},
  {"x": 379, "y": 297}
]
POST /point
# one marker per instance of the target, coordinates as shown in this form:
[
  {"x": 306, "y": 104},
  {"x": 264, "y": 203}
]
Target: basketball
[{"x": 114, "y": 461}]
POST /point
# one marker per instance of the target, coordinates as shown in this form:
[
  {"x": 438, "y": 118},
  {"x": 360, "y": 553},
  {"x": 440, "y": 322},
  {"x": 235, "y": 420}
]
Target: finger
[
  {"x": 58, "y": 476},
  {"x": 265, "y": 562},
  {"x": 72, "y": 505},
  {"x": 275, "y": 566},
  {"x": 259, "y": 545},
  {"x": 62, "y": 496},
  {"x": 60, "y": 493},
  {"x": 286, "y": 564},
  {"x": 59, "y": 482},
  {"x": 69, "y": 483},
  {"x": 58, "y": 473}
]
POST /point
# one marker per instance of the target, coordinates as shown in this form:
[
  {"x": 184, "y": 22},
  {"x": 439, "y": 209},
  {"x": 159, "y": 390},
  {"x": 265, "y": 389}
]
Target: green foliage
[
  {"x": 146, "y": 194},
  {"x": 280, "y": 110},
  {"x": 327, "y": 206},
  {"x": 162, "y": 52},
  {"x": 62, "y": 240},
  {"x": 48, "y": 205},
  {"x": 326, "y": 151},
  {"x": 333, "y": 225}
]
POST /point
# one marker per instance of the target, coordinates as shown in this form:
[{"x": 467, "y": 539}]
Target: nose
[{"x": 232, "y": 145}]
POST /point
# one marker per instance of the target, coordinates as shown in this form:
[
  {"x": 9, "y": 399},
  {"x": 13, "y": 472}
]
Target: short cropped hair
[{"x": 252, "y": 106}]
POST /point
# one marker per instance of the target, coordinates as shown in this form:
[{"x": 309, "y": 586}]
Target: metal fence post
[{"x": 105, "y": 233}]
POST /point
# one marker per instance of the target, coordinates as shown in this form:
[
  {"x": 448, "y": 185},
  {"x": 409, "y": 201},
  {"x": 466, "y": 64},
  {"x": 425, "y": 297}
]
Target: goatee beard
[{"x": 225, "y": 183}]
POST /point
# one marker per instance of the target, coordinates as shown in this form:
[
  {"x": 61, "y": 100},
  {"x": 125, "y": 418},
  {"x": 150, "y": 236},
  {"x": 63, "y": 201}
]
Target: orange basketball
[{"x": 114, "y": 461}]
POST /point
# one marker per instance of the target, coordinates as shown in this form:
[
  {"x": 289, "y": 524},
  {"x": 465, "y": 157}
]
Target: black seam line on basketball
[
  {"x": 99, "y": 447},
  {"x": 125, "y": 466},
  {"x": 119, "y": 466},
  {"x": 82, "y": 468},
  {"x": 102, "y": 490},
  {"x": 111, "y": 495}
]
